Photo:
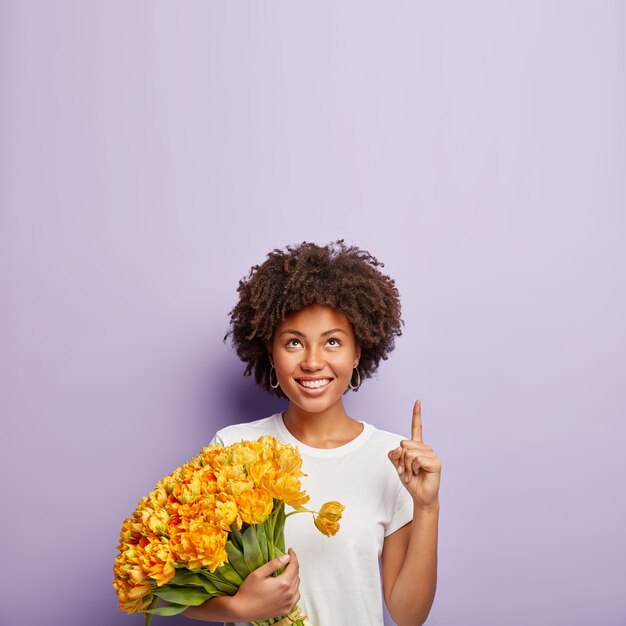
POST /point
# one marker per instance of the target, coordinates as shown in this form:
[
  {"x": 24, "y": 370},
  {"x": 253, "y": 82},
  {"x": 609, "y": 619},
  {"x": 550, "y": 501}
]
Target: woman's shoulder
[
  {"x": 246, "y": 431},
  {"x": 378, "y": 435}
]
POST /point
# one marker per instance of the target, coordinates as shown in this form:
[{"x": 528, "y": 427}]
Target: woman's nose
[{"x": 312, "y": 361}]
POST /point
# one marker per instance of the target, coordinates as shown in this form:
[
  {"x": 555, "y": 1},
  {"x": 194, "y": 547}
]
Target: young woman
[{"x": 313, "y": 322}]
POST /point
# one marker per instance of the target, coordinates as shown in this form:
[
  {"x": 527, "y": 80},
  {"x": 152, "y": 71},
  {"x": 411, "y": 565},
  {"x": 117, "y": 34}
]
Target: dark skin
[{"x": 409, "y": 560}]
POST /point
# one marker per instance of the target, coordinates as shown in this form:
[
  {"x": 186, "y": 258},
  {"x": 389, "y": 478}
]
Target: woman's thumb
[{"x": 274, "y": 565}]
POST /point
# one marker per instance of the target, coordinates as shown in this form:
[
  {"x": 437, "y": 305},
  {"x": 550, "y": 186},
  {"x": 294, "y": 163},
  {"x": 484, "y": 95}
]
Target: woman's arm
[
  {"x": 219, "y": 609},
  {"x": 409, "y": 559},
  {"x": 261, "y": 595},
  {"x": 409, "y": 568}
]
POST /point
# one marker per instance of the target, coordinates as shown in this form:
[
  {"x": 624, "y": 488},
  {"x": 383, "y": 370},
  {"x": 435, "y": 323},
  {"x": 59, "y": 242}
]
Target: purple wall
[{"x": 151, "y": 152}]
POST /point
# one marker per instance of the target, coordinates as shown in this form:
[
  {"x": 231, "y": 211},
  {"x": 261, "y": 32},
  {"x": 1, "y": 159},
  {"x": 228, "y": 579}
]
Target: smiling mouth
[{"x": 314, "y": 384}]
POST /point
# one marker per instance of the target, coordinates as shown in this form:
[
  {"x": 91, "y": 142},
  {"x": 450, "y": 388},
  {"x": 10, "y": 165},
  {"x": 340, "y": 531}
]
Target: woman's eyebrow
[
  {"x": 332, "y": 331},
  {"x": 293, "y": 331}
]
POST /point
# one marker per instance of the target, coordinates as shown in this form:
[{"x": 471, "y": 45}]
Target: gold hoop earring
[
  {"x": 358, "y": 378},
  {"x": 273, "y": 369}
]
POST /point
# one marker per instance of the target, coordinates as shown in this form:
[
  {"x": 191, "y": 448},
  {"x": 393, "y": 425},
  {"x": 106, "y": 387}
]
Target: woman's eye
[
  {"x": 293, "y": 343},
  {"x": 334, "y": 342}
]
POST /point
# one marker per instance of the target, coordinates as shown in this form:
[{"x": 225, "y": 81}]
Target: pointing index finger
[{"x": 416, "y": 423}]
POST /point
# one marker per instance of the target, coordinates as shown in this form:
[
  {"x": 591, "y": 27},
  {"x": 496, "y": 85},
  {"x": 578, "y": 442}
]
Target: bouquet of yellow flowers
[{"x": 210, "y": 523}]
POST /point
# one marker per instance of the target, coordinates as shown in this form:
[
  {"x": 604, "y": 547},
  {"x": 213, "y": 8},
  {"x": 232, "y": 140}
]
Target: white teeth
[{"x": 314, "y": 384}]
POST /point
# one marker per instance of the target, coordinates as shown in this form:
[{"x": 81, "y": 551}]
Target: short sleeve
[
  {"x": 402, "y": 510},
  {"x": 217, "y": 440}
]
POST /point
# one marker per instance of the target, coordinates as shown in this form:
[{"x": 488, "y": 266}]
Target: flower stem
[{"x": 302, "y": 511}]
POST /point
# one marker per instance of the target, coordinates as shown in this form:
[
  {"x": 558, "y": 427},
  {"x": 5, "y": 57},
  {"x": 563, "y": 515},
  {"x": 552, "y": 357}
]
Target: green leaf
[
  {"x": 189, "y": 596},
  {"x": 251, "y": 550},
  {"x": 198, "y": 578},
  {"x": 223, "y": 585},
  {"x": 236, "y": 537},
  {"x": 261, "y": 534},
  {"x": 228, "y": 573},
  {"x": 184, "y": 578},
  {"x": 153, "y": 605},
  {"x": 235, "y": 558},
  {"x": 279, "y": 528},
  {"x": 207, "y": 585},
  {"x": 168, "y": 609}
]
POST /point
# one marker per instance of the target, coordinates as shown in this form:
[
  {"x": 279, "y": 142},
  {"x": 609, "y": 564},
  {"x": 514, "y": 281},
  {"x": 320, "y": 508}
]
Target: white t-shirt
[{"x": 340, "y": 580}]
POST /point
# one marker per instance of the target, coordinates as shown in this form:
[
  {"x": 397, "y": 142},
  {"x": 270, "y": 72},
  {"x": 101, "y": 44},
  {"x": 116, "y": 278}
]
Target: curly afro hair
[{"x": 343, "y": 277}]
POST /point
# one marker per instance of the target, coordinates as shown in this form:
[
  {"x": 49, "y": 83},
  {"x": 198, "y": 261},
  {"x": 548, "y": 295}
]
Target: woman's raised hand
[
  {"x": 263, "y": 596},
  {"x": 417, "y": 465}
]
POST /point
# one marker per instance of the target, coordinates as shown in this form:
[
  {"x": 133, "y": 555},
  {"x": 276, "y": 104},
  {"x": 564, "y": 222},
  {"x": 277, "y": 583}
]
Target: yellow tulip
[
  {"x": 224, "y": 512},
  {"x": 288, "y": 489},
  {"x": 289, "y": 461},
  {"x": 133, "y": 598},
  {"x": 255, "y": 505},
  {"x": 245, "y": 453},
  {"x": 202, "y": 545},
  {"x": 262, "y": 471},
  {"x": 327, "y": 520}
]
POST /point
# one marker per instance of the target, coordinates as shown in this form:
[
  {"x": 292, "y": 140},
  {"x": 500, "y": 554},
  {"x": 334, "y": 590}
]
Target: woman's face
[{"x": 314, "y": 352}]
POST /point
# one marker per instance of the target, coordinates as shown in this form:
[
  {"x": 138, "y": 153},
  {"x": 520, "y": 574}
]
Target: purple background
[{"x": 151, "y": 152}]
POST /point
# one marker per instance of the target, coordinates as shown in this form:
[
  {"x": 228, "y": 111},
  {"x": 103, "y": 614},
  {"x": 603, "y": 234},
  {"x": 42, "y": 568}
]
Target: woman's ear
[{"x": 357, "y": 356}]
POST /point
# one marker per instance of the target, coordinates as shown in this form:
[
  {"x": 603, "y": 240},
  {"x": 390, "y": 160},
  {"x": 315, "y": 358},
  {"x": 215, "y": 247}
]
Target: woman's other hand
[
  {"x": 260, "y": 596},
  {"x": 417, "y": 465},
  {"x": 263, "y": 596}
]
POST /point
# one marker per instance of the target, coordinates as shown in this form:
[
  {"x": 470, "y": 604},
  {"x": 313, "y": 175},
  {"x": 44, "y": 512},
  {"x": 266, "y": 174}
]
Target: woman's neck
[{"x": 327, "y": 429}]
